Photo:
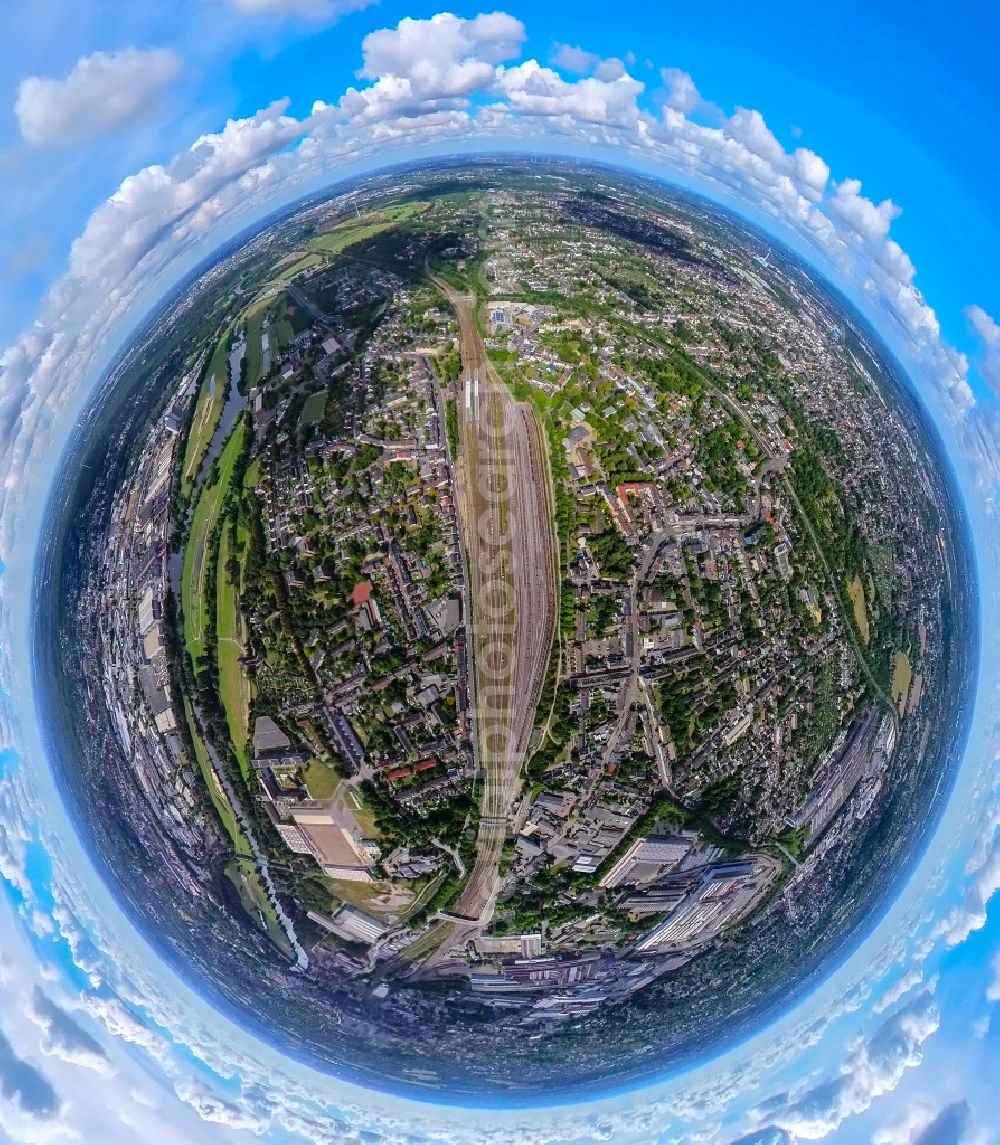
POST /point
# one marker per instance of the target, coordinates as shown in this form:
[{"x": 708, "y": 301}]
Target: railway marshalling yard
[
  {"x": 507, "y": 522},
  {"x": 528, "y": 599}
]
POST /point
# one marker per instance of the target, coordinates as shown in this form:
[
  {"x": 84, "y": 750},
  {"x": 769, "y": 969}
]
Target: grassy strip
[
  {"x": 255, "y": 358},
  {"x": 303, "y": 263},
  {"x": 197, "y": 554},
  {"x": 220, "y": 801},
  {"x": 207, "y": 412},
  {"x": 451, "y": 419},
  {"x": 234, "y": 687},
  {"x": 367, "y": 226}
]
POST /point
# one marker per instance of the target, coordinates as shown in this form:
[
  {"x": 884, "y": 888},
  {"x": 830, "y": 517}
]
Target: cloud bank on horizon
[{"x": 430, "y": 84}]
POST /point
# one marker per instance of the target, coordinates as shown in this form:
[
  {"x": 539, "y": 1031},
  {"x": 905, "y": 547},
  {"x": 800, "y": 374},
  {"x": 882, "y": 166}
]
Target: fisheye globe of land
[{"x": 519, "y": 600}]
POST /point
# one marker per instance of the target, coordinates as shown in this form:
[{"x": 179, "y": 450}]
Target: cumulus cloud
[
  {"x": 870, "y": 221},
  {"x": 682, "y": 95},
  {"x": 102, "y": 93},
  {"x": 908, "y": 1126},
  {"x": 969, "y": 916},
  {"x": 21, "y": 1083},
  {"x": 65, "y": 1038},
  {"x": 610, "y": 69},
  {"x": 922, "y": 1123},
  {"x": 576, "y": 60},
  {"x": 909, "y": 980},
  {"x": 989, "y": 334},
  {"x": 875, "y": 1068},
  {"x": 535, "y": 90},
  {"x": 445, "y": 55},
  {"x": 769, "y": 1136},
  {"x": 426, "y": 66},
  {"x": 948, "y": 1128}
]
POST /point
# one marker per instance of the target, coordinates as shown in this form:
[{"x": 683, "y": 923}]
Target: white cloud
[
  {"x": 535, "y": 90},
  {"x": 961, "y": 921},
  {"x": 682, "y": 95},
  {"x": 318, "y": 11},
  {"x": 908, "y": 981},
  {"x": 102, "y": 93},
  {"x": 869, "y": 221},
  {"x": 951, "y": 1126},
  {"x": 907, "y": 1127},
  {"x": 445, "y": 55},
  {"x": 989, "y": 333},
  {"x": 875, "y": 1068},
  {"x": 151, "y": 218},
  {"x": 576, "y": 60},
  {"x": 423, "y": 66},
  {"x": 610, "y": 69}
]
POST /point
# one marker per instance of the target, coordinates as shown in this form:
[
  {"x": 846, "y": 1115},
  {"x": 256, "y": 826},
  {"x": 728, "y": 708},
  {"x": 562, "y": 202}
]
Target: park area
[
  {"x": 197, "y": 555},
  {"x": 207, "y": 412}
]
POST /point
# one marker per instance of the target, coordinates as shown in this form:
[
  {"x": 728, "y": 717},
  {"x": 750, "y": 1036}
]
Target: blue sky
[
  {"x": 902, "y": 96},
  {"x": 897, "y": 1047}
]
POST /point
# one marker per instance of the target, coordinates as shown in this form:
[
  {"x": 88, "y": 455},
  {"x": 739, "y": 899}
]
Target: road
[{"x": 307, "y": 304}]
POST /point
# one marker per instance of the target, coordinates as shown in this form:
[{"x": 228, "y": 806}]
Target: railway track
[{"x": 506, "y": 514}]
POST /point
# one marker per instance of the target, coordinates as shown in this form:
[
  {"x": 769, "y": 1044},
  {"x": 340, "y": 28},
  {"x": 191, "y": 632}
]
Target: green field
[
  {"x": 206, "y": 516},
  {"x": 366, "y": 821},
  {"x": 287, "y": 321},
  {"x": 366, "y": 227},
  {"x": 234, "y": 684},
  {"x": 303, "y": 263},
  {"x": 211, "y": 500},
  {"x": 255, "y": 359},
  {"x": 321, "y": 780},
  {"x": 207, "y": 411},
  {"x": 314, "y": 408}
]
